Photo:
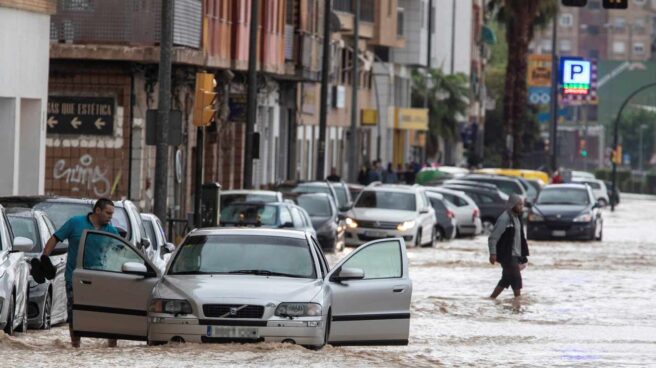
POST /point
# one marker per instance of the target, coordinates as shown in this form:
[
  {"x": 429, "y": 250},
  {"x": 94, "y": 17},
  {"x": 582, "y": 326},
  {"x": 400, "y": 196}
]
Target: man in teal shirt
[{"x": 100, "y": 220}]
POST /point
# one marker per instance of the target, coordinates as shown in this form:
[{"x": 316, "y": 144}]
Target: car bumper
[
  {"x": 35, "y": 305},
  {"x": 574, "y": 230},
  {"x": 355, "y": 237},
  {"x": 473, "y": 228},
  {"x": 306, "y": 331}
]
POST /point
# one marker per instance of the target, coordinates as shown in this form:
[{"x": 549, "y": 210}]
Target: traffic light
[
  {"x": 616, "y": 156},
  {"x": 204, "y": 108},
  {"x": 583, "y": 150},
  {"x": 578, "y": 3},
  {"x": 616, "y": 4}
]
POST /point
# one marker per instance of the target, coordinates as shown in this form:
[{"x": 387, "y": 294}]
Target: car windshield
[
  {"x": 564, "y": 196},
  {"x": 315, "y": 206},
  {"x": 248, "y": 214},
  {"x": 387, "y": 200},
  {"x": 26, "y": 227},
  {"x": 60, "y": 212},
  {"x": 342, "y": 197},
  {"x": 227, "y": 199},
  {"x": 244, "y": 254},
  {"x": 312, "y": 188}
]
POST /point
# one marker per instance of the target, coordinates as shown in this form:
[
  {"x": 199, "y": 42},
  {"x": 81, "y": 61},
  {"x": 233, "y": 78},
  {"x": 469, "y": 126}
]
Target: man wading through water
[
  {"x": 72, "y": 231},
  {"x": 508, "y": 246}
]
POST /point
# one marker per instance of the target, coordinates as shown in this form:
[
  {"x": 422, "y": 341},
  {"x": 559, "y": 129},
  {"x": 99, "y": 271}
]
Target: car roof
[
  {"x": 248, "y": 191},
  {"x": 490, "y": 176},
  {"x": 282, "y": 233},
  {"x": 21, "y": 212},
  {"x": 471, "y": 183},
  {"x": 566, "y": 186},
  {"x": 394, "y": 188},
  {"x": 434, "y": 194},
  {"x": 465, "y": 188},
  {"x": 447, "y": 191}
]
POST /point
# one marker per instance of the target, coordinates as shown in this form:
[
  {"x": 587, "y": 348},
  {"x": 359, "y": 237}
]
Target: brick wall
[
  {"x": 90, "y": 166},
  {"x": 38, "y": 6}
]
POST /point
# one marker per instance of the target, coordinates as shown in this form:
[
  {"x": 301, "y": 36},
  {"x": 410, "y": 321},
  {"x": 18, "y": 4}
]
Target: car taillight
[
  {"x": 450, "y": 214},
  {"x": 475, "y": 214}
]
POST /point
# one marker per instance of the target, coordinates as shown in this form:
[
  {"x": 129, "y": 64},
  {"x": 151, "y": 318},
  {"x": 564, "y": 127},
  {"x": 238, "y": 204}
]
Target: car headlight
[
  {"x": 586, "y": 217},
  {"x": 351, "y": 223},
  {"x": 407, "y": 225},
  {"x": 534, "y": 217},
  {"x": 298, "y": 310},
  {"x": 171, "y": 306}
]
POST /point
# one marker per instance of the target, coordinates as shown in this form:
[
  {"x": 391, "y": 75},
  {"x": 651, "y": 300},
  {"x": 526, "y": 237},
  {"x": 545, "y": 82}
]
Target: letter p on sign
[{"x": 576, "y": 71}]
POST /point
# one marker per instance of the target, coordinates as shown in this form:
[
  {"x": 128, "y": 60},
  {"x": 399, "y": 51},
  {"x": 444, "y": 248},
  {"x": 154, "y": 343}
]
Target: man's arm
[{"x": 50, "y": 245}]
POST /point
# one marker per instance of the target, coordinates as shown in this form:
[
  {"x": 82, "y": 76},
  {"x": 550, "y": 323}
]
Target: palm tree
[
  {"x": 447, "y": 101},
  {"x": 521, "y": 18}
]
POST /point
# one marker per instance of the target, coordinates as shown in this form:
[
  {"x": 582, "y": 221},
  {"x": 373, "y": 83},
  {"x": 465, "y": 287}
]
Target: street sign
[
  {"x": 539, "y": 70},
  {"x": 575, "y": 76},
  {"x": 539, "y": 95},
  {"x": 80, "y": 115}
]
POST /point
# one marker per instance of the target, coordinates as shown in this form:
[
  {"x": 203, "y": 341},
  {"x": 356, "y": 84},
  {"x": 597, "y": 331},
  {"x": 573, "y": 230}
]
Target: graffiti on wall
[{"x": 83, "y": 175}]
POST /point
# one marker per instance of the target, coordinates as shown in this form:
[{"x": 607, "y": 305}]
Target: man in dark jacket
[{"x": 508, "y": 246}]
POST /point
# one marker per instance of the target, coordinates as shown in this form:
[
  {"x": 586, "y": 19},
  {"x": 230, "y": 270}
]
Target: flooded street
[{"x": 588, "y": 304}]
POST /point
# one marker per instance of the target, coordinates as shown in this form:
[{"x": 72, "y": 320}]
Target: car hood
[
  {"x": 377, "y": 214},
  {"x": 566, "y": 212},
  {"x": 249, "y": 288}
]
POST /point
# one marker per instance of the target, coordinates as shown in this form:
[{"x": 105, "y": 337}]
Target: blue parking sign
[{"x": 575, "y": 75}]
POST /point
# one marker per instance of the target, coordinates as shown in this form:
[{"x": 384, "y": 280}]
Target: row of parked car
[{"x": 26, "y": 224}]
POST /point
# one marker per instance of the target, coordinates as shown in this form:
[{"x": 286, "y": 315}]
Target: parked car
[
  {"x": 47, "y": 301},
  {"x": 14, "y": 276},
  {"x": 582, "y": 174},
  {"x": 491, "y": 202},
  {"x": 310, "y": 187},
  {"x": 447, "y": 225},
  {"x": 323, "y": 213},
  {"x": 266, "y": 215},
  {"x": 540, "y": 176},
  {"x": 389, "y": 211},
  {"x": 126, "y": 219},
  {"x": 598, "y": 189},
  {"x": 355, "y": 190},
  {"x": 246, "y": 285},
  {"x": 506, "y": 184},
  {"x": 344, "y": 198},
  {"x": 565, "y": 211},
  {"x": 265, "y": 196},
  {"x": 468, "y": 215},
  {"x": 160, "y": 249}
]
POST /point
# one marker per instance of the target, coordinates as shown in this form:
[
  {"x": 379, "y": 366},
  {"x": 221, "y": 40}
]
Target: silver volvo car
[{"x": 243, "y": 285}]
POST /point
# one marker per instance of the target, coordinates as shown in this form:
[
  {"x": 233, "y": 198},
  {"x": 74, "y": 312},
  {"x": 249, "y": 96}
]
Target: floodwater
[{"x": 584, "y": 304}]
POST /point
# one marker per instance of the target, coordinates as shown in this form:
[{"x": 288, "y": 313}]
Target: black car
[
  {"x": 565, "y": 211},
  {"x": 506, "y": 184},
  {"x": 446, "y": 218},
  {"x": 325, "y": 219},
  {"x": 491, "y": 202},
  {"x": 310, "y": 187}
]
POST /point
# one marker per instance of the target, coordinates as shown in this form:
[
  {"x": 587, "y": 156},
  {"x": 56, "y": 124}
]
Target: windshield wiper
[{"x": 264, "y": 273}]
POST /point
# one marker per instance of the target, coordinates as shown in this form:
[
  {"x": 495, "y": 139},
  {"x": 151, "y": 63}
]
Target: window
[
  {"x": 594, "y": 4},
  {"x": 378, "y": 261},
  {"x": 619, "y": 47},
  {"x": 106, "y": 253},
  {"x": 566, "y": 20},
  {"x": 640, "y": 2},
  {"x": 593, "y": 30},
  {"x": 400, "y": 21},
  {"x": 565, "y": 45},
  {"x": 619, "y": 24},
  {"x": 639, "y": 48},
  {"x": 316, "y": 206}
]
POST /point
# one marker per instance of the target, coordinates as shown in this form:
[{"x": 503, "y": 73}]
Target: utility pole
[
  {"x": 429, "y": 49},
  {"x": 163, "y": 109},
  {"x": 323, "y": 110},
  {"x": 353, "y": 143},
  {"x": 251, "y": 111},
  {"x": 554, "y": 96}
]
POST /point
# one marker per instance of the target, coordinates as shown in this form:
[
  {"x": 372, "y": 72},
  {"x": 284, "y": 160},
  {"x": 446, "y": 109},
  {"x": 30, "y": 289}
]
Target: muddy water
[{"x": 584, "y": 304}]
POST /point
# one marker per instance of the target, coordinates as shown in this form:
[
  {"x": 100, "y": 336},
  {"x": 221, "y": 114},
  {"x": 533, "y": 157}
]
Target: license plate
[
  {"x": 559, "y": 233},
  {"x": 233, "y": 332},
  {"x": 375, "y": 234}
]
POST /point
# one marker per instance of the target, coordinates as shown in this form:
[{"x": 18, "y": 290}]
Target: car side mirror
[
  {"x": 168, "y": 248},
  {"x": 346, "y": 274},
  {"x": 145, "y": 243},
  {"x": 122, "y": 232},
  {"x": 22, "y": 244},
  {"x": 136, "y": 268},
  {"x": 60, "y": 248}
]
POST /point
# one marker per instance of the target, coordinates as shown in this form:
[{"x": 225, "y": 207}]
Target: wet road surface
[{"x": 586, "y": 304}]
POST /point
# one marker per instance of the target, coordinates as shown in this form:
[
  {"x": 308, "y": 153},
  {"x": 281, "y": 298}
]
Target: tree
[
  {"x": 521, "y": 19},
  {"x": 448, "y": 100}
]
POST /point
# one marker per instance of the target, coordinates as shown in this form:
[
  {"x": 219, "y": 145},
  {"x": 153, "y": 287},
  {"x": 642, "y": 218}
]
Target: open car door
[
  {"x": 371, "y": 292},
  {"x": 112, "y": 285}
]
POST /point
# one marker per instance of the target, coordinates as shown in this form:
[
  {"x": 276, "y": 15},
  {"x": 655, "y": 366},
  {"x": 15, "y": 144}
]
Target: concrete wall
[{"x": 24, "y": 37}]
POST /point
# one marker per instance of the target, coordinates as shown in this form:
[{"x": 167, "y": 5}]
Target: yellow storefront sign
[
  {"x": 368, "y": 117},
  {"x": 411, "y": 119},
  {"x": 539, "y": 70}
]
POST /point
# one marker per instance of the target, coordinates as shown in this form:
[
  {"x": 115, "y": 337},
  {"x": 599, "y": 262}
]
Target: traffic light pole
[
  {"x": 616, "y": 129},
  {"x": 323, "y": 110},
  {"x": 198, "y": 180},
  {"x": 163, "y": 108},
  {"x": 251, "y": 111}
]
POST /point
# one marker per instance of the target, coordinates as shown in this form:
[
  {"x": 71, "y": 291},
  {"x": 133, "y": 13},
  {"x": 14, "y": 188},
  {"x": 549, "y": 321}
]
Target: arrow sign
[
  {"x": 52, "y": 122},
  {"x": 75, "y": 123},
  {"x": 99, "y": 124}
]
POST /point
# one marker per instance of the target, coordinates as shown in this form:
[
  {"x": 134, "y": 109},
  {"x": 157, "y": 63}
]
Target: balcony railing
[{"x": 125, "y": 22}]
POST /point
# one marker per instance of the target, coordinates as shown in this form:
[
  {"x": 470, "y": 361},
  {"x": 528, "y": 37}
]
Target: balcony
[{"x": 367, "y": 8}]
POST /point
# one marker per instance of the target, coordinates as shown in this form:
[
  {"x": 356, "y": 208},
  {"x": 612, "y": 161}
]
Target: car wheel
[
  {"x": 23, "y": 326},
  {"x": 418, "y": 239},
  {"x": 488, "y": 226},
  {"x": 434, "y": 237},
  {"x": 47, "y": 313},
  {"x": 9, "y": 327}
]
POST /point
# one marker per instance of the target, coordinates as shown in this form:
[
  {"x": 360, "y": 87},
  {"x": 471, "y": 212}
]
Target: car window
[
  {"x": 2, "y": 231},
  {"x": 227, "y": 199},
  {"x": 438, "y": 205},
  {"x": 387, "y": 200},
  {"x": 486, "y": 198},
  {"x": 594, "y": 185},
  {"x": 342, "y": 195},
  {"x": 306, "y": 217},
  {"x": 316, "y": 206},
  {"x": 565, "y": 196},
  {"x": 378, "y": 261},
  {"x": 237, "y": 254},
  {"x": 508, "y": 187},
  {"x": 137, "y": 218},
  {"x": 160, "y": 228},
  {"x": 150, "y": 233},
  {"x": 322, "y": 259},
  {"x": 264, "y": 215},
  {"x": 27, "y": 228},
  {"x": 105, "y": 253},
  {"x": 285, "y": 216}
]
